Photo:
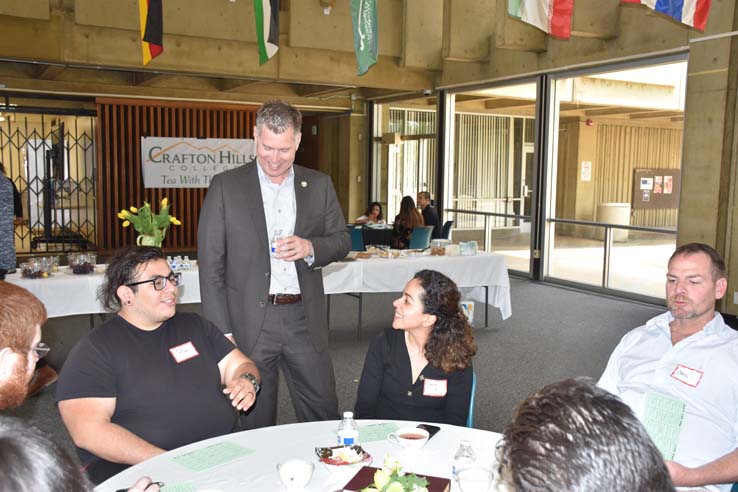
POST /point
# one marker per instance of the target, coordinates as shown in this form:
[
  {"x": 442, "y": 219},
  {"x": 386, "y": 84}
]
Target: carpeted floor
[{"x": 554, "y": 333}]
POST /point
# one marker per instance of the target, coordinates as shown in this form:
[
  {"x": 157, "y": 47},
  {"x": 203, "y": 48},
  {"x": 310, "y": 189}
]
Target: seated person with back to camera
[
  {"x": 405, "y": 222},
  {"x": 149, "y": 379},
  {"x": 576, "y": 437},
  {"x": 421, "y": 368},
  {"x": 372, "y": 215}
]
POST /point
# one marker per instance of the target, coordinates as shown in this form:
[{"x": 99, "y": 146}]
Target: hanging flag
[
  {"x": 551, "y": 16},
  {"x": 267, "y": 28},
  {"x": 691, "y": 12},
  {"x": 152, "y": 29},
  {"x": 364, "y": 17}
]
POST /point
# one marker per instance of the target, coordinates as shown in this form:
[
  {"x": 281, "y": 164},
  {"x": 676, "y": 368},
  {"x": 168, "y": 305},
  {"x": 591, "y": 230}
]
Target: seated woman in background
[
  {"x": 373, "y": 215},
  {"x": 408, "y": 218},
  {"x": 421, "y": 368}
]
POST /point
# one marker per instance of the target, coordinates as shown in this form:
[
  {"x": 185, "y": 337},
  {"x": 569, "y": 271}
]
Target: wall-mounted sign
[
  {"x": 586, "y": 170},
  {"x": 190, "y": 162}
]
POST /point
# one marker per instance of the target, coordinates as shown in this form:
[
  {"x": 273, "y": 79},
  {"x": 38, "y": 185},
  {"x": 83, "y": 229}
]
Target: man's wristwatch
[{"x": 253, "y": 380}]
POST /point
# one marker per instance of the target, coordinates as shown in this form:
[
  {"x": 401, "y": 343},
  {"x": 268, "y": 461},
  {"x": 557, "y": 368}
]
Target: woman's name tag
[{"x": 435, "y": 387}]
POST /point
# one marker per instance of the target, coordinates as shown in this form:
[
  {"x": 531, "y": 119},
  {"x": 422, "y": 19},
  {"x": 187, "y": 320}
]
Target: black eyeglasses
[
  {"x": 41, "y": 350},
  {"x": 160, "y": 282}
]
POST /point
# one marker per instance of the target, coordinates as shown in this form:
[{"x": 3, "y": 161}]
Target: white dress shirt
[
  {"x": 701, "y": 371},
  {"x": 280, "y": 211}
]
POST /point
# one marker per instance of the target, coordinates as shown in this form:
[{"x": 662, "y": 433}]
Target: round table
[{"x": 269, "y": 446}]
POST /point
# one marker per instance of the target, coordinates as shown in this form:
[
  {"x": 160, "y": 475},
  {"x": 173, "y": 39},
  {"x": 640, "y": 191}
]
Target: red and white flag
[{"x": 551, "y": 16}]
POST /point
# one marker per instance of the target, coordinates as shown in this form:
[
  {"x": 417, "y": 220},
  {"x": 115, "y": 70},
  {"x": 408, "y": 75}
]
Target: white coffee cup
[
  {"x": 409, "y": 437},
  {"x": 295, "y": 474}
]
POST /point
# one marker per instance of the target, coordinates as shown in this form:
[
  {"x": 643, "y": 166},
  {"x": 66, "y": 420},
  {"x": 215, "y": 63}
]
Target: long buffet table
[{"x": 482, "y": 277}]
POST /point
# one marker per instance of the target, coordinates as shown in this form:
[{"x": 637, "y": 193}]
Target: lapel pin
[{"x": 304, "y": 184}]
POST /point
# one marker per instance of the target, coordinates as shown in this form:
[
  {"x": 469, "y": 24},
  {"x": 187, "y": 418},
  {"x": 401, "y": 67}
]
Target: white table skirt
[
  {"x": 257, "y": 471},
  {"x": 65, "y": 294}
]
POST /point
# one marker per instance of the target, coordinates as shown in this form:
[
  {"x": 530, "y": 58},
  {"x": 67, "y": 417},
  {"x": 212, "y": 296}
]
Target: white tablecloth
[
  {"x": 256, "y": 472},
  {"x": 65, "y": 294}
]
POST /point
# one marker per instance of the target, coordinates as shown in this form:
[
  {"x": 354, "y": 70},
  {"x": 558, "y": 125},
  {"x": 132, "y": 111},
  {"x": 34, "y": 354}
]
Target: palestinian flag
[
  {"x": 550, "y": 16},
  {"x": 152, "y": 29},
  {"x": 267, "y": 28}
]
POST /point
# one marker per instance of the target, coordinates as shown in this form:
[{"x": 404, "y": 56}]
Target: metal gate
[{"x": 51, "y": 160}]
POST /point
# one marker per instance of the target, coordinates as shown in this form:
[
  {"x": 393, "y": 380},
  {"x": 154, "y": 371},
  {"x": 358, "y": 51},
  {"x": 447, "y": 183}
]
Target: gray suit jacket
[{"x": 233, "y": 251}]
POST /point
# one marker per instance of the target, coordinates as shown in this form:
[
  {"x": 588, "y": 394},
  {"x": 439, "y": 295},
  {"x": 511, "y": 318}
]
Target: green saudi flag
[{"x": 364, "y": 17}]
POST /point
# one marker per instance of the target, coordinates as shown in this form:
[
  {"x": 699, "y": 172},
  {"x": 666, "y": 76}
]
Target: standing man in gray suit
[{"x": 269, "y": 295}]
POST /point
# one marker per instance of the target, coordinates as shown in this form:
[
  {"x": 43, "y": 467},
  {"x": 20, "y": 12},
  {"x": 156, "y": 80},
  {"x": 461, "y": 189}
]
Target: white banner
[{"x": 190, "y": 162}]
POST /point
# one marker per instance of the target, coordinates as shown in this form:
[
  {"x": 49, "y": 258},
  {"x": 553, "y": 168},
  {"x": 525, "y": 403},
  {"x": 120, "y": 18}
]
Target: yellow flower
[
  {"x": 134, "y": 210},
  {"x": 381, "y": 478},
  {"x": 175, "y": 221},
  {"x": 123, "y": 214},
  {"x": 126, "y": 223},
  {"x": 395, "y": 487},
  {"x": 164, "y": 202}
]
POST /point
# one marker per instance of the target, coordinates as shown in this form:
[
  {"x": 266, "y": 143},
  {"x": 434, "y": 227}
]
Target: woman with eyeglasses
[{"x": 149, "y": 379}]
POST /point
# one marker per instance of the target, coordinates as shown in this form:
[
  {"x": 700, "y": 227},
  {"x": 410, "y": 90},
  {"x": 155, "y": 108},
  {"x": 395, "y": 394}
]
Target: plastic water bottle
[
  {"x": 275, "y": 237},
  {"x": 463, "y": 458},
  {"x": 348, "y": 431}
]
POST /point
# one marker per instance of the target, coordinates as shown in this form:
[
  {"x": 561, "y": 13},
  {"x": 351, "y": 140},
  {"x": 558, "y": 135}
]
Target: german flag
[{"x": 152, "y": 29}]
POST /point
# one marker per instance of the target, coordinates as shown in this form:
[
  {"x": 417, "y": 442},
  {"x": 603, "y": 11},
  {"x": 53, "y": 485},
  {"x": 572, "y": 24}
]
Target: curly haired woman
[{"x": 421, "y": 369}]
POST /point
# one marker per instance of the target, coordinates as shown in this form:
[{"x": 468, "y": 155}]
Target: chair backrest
[
  {"x": 420, "y": 237},
  {"x": 446, "y": 229},
  {"x": 357, "y": 239},
  {"x": 730, "y": 320},
  {"x": 470, "y": 416}
]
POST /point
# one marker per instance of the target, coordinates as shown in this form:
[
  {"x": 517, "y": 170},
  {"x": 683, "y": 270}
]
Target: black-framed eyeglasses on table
[{"x": 160, "y": 282}]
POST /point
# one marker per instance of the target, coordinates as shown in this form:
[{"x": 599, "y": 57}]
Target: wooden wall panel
[{"x": 121, "y": 124}]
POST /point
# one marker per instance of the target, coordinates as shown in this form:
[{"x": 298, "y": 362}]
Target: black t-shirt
[
  {"x": 431, "y": 219},
  {"x": 386, "y": 390},
  {"x": 166, "y": 403}
]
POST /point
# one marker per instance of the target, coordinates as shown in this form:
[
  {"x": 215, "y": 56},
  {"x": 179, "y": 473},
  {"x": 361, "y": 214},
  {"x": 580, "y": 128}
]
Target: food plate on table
[{"x": 343, "y": 455}]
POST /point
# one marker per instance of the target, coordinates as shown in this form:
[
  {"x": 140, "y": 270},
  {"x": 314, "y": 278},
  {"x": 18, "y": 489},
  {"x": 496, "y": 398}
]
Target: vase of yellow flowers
[{"x": 151, "y": 227}]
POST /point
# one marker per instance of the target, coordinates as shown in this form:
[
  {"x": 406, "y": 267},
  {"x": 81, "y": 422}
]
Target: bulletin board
[{"x": 656, "y": 188}]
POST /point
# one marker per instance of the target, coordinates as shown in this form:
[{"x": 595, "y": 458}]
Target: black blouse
[{"x": 386, "y": 390}]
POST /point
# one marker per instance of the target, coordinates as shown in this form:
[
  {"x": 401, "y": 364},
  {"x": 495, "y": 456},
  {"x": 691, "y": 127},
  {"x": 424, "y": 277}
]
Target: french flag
[{"x": 691, "y": 12}]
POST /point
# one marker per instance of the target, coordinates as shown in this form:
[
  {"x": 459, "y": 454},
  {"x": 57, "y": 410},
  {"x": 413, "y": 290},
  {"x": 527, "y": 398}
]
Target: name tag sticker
[
  {"x": 435, "y": 387},
  {"x": 687, "y": 375},
  {"x": 184, "y": 352}
]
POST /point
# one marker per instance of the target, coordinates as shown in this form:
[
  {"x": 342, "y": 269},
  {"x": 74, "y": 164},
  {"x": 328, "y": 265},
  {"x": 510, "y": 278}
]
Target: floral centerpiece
[
  {"x": 151, "y": 227},
  {"x": 391, "y": 478}
]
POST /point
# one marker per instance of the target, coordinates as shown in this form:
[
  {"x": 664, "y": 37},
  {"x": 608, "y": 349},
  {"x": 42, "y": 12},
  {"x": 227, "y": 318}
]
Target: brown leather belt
[{"x": 284, "y": 298}]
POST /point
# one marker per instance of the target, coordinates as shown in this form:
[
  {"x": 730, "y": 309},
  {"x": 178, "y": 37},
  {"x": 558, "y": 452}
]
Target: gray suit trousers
[{"x": 284, "y": 342}]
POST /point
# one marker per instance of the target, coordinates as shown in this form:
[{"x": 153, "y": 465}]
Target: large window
[
  {"x": 490, "y": 180},
  {"x": 615, "y": 165},
  {"x": 405, "y": 151}
]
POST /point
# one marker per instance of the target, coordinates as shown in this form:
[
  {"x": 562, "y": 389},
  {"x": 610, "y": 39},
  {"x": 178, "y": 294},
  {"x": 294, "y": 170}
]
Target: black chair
[
  {"x": 446, "y": 229},
  {"x": 730, "y": 320}
]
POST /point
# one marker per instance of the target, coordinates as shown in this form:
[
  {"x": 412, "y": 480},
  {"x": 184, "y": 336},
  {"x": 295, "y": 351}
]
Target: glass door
[
  {"x": 490, "y": 169},
  {"x": 616, "y": 140}
]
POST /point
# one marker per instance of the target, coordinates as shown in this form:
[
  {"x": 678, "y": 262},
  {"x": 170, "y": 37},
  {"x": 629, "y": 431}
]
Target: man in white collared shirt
[
  {"x": 679, "y": 374},
  {"x": 265, "y": 231}
]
